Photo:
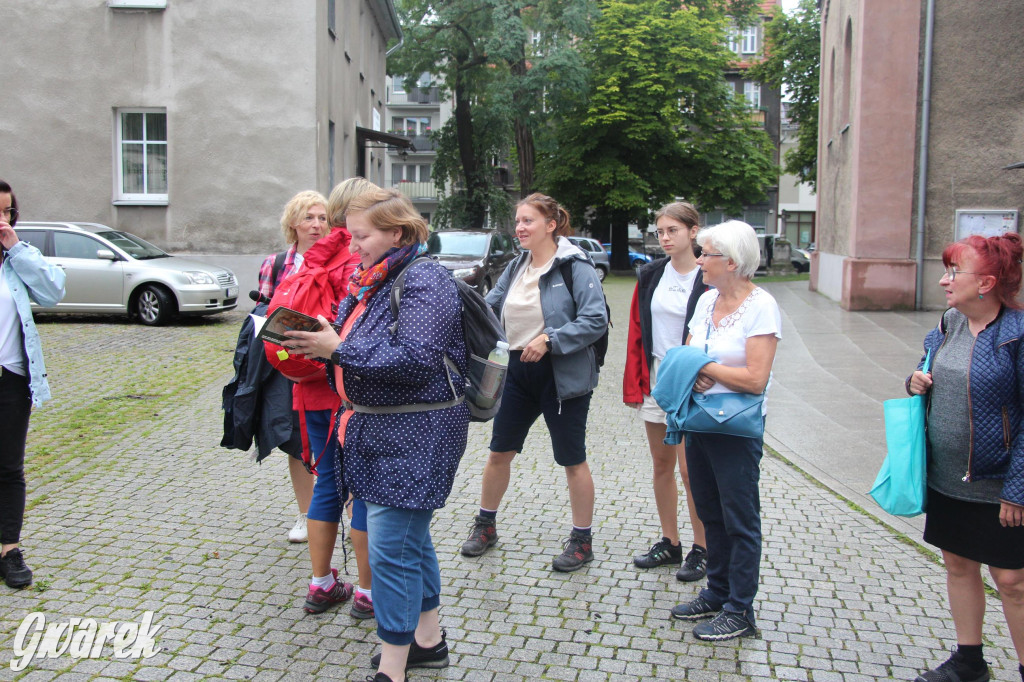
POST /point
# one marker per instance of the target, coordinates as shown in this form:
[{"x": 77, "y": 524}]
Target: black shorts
[
  {"x": 972, "y": 530},
  {"x": 530, "y": 392}
]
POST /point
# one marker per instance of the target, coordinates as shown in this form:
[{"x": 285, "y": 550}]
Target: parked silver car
[
  {"x": 597, "y": 253},
  {"x": 109, "y": 271}
]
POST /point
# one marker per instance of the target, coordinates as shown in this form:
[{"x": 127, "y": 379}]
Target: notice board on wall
[{"x": 985, "y": 222}]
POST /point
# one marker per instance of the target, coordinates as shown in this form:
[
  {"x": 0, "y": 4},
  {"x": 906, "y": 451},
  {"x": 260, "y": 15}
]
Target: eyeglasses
[
  {"x": 712, "y": 255},
  {"x": 9, "y": 213},
  {"x": 952, "y": 272},
  {"x": 671, "y": 232}
]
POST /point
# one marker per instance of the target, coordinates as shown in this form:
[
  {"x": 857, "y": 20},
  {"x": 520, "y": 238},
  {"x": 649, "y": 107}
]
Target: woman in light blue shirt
[{"x": 23, "y": 274}]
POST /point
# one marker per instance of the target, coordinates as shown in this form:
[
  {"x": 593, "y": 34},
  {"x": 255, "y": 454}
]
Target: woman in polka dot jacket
[{"x": 404, "y": 430}]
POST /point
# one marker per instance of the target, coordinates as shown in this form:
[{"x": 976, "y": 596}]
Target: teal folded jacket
[{"x": 676, "y": 375}]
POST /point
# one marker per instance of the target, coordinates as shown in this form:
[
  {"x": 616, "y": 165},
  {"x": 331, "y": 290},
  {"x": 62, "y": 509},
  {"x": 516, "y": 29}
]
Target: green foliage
[
  {"x": 659, "y": 121},
  {"x": 792, "y": 47}
]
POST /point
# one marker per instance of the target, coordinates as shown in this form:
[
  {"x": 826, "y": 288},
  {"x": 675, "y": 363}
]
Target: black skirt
[{"x": 972, "y": 530}]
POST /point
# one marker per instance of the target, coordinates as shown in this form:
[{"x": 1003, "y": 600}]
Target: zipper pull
[{"x": 967, "y": 477}]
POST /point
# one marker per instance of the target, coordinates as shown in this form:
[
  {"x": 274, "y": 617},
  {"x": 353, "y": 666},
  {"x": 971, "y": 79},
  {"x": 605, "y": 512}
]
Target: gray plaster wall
[
  {"x": 248, "y": 88},
  {"x": 977, "y": 121}
]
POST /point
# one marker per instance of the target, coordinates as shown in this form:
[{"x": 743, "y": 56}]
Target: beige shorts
[{"x": 649, "y": 410}]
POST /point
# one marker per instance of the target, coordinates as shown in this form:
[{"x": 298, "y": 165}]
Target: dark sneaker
[
  {"x": 695, "y": 565},
  {"x": 481, "y": 538},
  {"x": 955, "y": 669},
  {"x": 578, "y": 551},
  {"x": 661, "y": 552},
  {"x": 434, "y": 657},
  {"x": 319, "y": 600},
  {"x": 695, "y": 610},
  {"x": 726, "y": 625},
  {"x": 379, "y": 677},
  {"x": 14, "y": 571},
  {"x": 362, "y": 607}
]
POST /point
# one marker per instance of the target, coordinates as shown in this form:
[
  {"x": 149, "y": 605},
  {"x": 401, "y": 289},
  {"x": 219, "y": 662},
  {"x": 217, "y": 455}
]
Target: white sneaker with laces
[{"x": 298, "y": 533}]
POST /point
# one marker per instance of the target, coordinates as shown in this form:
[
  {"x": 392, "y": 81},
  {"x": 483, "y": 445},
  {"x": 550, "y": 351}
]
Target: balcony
[
  {"x": 417, "y": 190},
  {"x": 756, "y": 116},
  {"x": 415, "y": 96},
  {"x": 422, "y": 143}
]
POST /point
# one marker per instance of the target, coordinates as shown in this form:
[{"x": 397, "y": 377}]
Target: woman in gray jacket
[{"x": 551, "y": 325}]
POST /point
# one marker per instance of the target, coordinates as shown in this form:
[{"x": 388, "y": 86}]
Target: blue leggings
[{"x": 326, "y": 502}]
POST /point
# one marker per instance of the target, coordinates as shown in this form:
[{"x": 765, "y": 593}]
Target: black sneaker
[
  {"x": 956, "y": 669},
  {"x": 695, "y": 565},
  {"x": 661, "y": 552},
  {"x": 434, "y": 657},
  {"x": 481, "y": 538},
  {"x": 578, "y": 550},
  {"x": 14, "y": 571},
  {"x": 695, "y": 610},
  {"x": 726, "y": 625}
]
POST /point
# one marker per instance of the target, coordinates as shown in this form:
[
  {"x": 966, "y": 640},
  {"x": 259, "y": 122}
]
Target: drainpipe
[
  {"x": 922, "y": 164},
  {"x": 401, "y": 41}
]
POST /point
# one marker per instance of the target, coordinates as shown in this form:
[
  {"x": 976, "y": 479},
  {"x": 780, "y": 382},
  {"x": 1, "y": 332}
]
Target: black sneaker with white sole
[
  {"x": 695, "y": 565},
  {"x": 661, "y": 552},
  {"x": 726, "y": 625},
  {"x": 696, "y": 609}
]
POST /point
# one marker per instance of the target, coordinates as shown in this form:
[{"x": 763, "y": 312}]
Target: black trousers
[{"x": 15, "y": 408}]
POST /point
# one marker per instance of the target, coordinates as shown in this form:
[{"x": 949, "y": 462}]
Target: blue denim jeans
[
  {"x": 406, "y": 575},
  {"x": 326, "y": 503},
  {"x": 724, "y": 474}
]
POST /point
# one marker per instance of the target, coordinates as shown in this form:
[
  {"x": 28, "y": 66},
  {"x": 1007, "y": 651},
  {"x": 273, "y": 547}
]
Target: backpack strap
[{"x": 275, "y": 270}]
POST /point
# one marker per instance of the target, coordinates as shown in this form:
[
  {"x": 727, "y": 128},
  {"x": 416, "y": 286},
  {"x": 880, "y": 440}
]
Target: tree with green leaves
[
  {"x": 793, "y": 60},
  {"x": 658, "y": 120},
  {"x": 498, "y": 78}
]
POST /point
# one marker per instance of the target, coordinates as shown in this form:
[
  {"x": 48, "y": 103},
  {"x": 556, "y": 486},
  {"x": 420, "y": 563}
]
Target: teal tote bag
[{"x": 900, "y": 487}]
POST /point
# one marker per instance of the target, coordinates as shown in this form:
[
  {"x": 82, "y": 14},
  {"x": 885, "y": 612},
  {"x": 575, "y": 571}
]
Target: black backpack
[
  {"x": 482, "y": 331},
  {"x": 601, "y": 345}
]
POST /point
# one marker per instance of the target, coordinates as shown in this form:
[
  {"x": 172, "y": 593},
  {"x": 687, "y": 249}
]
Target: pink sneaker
[
  {"x": 362, "y": 607},
  {"x": 319, "y": 600}
]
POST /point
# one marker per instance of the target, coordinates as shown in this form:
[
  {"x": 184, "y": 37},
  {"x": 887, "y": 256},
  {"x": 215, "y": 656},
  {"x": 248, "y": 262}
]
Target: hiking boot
[
  {"x": 661, "y": 552},
  {"x": 434, "y": 657},
  {"x": 696, "y": 609},
  {"x": 726, "y": 625},
  {"x": 298, "y": 533},
  {"x": 319, "y": 600},
  {"x": 695, "y": 565},
  {"x": 362, "y": 607},
  {"x": 955, "y": 669},
  {"x": 14, "y": 570},
  {"x": 578, "y": 550},
  {"x": 481, "y": 538}
]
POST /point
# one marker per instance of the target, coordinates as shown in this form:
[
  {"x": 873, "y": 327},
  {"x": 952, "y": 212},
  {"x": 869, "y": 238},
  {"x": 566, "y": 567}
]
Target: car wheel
[
  {"x": 485, "y": 287},
  {"x": 153, "y": 306},
  {"x": 601, "y": 273}
]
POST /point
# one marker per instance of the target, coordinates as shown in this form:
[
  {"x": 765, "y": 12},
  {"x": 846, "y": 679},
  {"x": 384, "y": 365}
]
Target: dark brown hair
[{"x": 6, "y": 189}]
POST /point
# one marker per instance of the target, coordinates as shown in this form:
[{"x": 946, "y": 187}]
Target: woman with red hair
[{"x": 975, "y": 503}]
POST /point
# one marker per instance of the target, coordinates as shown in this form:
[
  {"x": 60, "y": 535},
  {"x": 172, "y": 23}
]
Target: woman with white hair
[{"x": 739, "y": 326}]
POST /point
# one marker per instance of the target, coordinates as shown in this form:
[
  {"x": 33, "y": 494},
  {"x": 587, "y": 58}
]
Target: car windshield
[
  {"x": 457, "y": 244},
  {"x": 135, "y": 247}
]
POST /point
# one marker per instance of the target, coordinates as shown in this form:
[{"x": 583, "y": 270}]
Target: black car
[{"x": 476, "y": 256}]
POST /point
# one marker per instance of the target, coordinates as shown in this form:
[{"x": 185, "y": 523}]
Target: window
[
  {"x": 749, "y": 40},
  {"x": 411, "y": 125},
  {"x": 141, "y": 155},
  {"x": 137, "y": 4},
  {"x": 410, "y": 172},
  {"x": 398, "y": 84},
  {"x": 752, "y": 93},
  {"x": 331, "y": 19},
  {"x": 36, "y": 238},
  {"x": 732, "y": 39},
  {"x": 68, "y": 245}
]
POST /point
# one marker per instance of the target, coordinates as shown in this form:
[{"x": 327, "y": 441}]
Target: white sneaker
[{"x": 298, "y": 533}]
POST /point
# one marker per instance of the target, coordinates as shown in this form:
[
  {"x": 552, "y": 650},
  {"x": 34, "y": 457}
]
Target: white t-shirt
[
  {"x": 11, "y": 342},
  {"x": 727, "y": 345},
  {"x": 668, "y": 310},
  {"x": 522, "y": 315}
]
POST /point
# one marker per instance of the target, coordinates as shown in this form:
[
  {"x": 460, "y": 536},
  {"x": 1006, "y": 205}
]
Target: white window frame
[
  {"x": 752, "y": 94},
  {"x": 748, "y": 40},
  {"x": 134, "y": 198},
  {"x": 398, "y": 85},
  {"x": 410, "y": 172},
  {"x": 137, "y": 4},
  {"x": 732, "y": 39}
]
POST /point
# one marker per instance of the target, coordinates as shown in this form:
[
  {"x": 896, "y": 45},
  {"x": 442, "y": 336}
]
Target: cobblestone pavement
[{"x": 135, "y": 508}]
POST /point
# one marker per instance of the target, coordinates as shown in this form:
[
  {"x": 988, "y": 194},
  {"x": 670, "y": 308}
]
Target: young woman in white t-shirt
[
  {"x": 739, "y": 326},
  {"x": 663, "y": 302}
]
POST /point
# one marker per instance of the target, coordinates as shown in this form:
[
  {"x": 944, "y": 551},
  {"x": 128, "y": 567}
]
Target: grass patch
[{"x": 795, "y": 277}]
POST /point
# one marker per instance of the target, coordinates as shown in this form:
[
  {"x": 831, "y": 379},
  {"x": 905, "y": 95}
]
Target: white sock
[
  {"x": 365, "y": 593},
  {"x": 325, "y": 583}
]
